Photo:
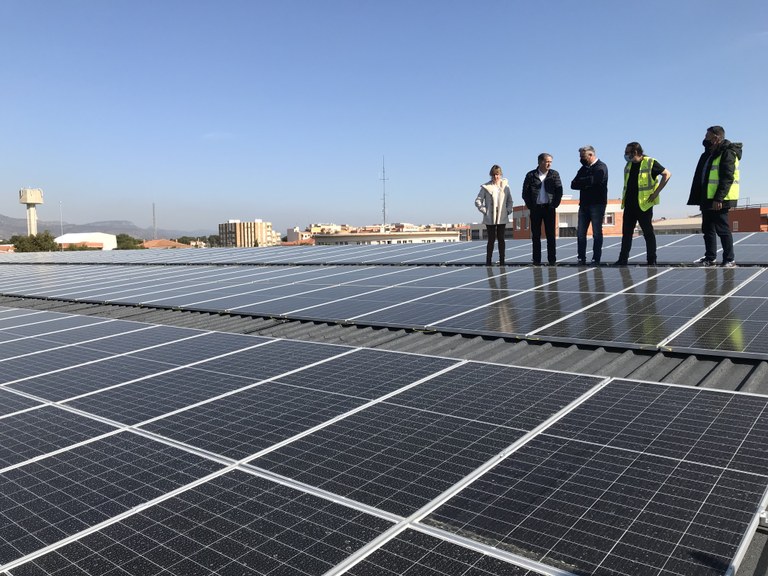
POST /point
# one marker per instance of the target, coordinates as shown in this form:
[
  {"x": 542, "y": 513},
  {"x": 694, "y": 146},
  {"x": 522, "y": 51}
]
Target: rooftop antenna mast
[
  {"x": 383, "y": 193},
  {"x": 154, "y": 223}
]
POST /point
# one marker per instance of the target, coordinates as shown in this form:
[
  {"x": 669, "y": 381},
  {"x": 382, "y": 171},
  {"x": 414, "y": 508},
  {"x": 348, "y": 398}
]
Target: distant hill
[{"x": 11, "y": 226}]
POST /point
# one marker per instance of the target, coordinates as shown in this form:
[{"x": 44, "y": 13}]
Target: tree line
[{"x": 45, "y": 242}]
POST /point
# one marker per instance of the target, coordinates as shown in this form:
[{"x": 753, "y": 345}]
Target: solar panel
[
  {"x": 633, "y": 481},
  {"x": 503, "y": 395},
  {"x": 519, "y": 302},
  {"x": 276, "y": 357},
  {"x": 234, "y": 524},
  {"x": 21, "y": 345},
  {"x": 590, "y": 509},
  {"x": 12, "y": 369},
  {"x": 367, "y": 373},
  {"x": 239, "y": 425},
  {"x": 672, "y": 249},
  {"x": 515, "y": 471},
  {"x": 695, "y": 281},
  {"x": 629, "y": 319},
  {"x": 735, "y": 325},
  {"x": 516, "y": 316},
  {"x": 36, "y": 324},
  {"x": 67, "y": 383},
  {"x": 393, "y": 458},
  {"x": 46, "y": 429},
  {"x": 203, "y": 346},
  {"x": 117, "y": 336},
  {"x": 45, "y": 501},
  {"x": 414, "y": 553},
  {"x": 11, "y": 403}
]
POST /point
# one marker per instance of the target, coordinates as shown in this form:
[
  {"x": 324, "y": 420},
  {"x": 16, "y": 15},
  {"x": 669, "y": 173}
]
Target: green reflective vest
[
  {"x": 646, "y": 185},
  {"x": 714, "y": 180}
]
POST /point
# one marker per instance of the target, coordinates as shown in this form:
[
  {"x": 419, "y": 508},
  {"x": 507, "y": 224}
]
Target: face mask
[
  {"x": 628, "y": 158},
  {"x": 706, "y": 143},
  {"x": 584, "y": 162}
]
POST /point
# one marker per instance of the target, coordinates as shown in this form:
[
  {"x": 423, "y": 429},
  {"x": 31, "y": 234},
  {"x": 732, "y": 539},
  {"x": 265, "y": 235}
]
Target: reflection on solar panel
[{"x": 637, "y": 307}]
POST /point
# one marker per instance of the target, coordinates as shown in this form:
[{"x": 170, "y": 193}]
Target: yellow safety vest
[
  {"x": 646, "y": 185},
  {"x": 714, "y": 180}
]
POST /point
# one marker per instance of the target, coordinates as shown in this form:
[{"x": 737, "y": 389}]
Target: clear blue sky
[{"x": 283, "y": 109}]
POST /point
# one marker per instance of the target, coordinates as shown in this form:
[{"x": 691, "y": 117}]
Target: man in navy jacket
[{"x": 592, "y": 183}]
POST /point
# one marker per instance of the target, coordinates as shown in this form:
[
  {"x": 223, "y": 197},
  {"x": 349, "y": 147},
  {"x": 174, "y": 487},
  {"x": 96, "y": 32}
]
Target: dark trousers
[
  {"x": 632, "y": 217},
  {"x": 593, "y": 215},
  {"x": 714, "y": 223},
  {"x": 543, "y": 213},
  {"x": 495, "y": 234}
]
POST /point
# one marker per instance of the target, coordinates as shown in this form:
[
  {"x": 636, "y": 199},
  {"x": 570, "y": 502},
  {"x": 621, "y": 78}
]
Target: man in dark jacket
[
  {"x": 592, "y": 182},
  {"x": 715, "y": 189},
  {"x": 542, "y": 193}
]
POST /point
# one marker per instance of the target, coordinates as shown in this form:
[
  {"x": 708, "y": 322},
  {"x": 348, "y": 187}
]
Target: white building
[{"x": 88, "y": 239}]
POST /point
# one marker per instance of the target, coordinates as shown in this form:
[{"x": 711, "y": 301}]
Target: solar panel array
[
  {"x": 129, "y": 449},
  {"x": 685, "y": 309},
  {"x": 673, "y": 249}
]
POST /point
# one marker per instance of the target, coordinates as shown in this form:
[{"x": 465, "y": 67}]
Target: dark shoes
[
  {"x": 704, "y": 261},
  {"x": 620, "y": 262},
  {"x": 581, "y": 262}
]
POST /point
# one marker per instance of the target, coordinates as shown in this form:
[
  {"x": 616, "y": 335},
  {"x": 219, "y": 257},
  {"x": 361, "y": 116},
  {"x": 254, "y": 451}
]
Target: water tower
[{"x": 31, "y": 197}]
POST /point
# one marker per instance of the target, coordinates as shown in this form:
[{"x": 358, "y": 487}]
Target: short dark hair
[
  {"x": 718, "y": 131},
  {"x": 636, "y": 148},
  {"x": 542, "y": 156},
  {"x": 495, "y": 169}
]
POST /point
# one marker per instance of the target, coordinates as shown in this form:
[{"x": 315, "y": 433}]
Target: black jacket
[
  {"x": 698, "y": 197},
  {"x": 592, "y": 183},
  {"x": 532, "y": 186}
]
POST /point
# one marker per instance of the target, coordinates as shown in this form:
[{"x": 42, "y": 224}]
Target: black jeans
[
  {"x": 633, "y": 216},
  {"x": 495, "y": 234},
  {"x": 543, "y": 213},
  {"x": 714, "y": 223}
]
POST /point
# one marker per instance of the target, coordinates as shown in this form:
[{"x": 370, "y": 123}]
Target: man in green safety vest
[
  {"x": 644, "y": 179},
  {"x": 715, "y": 189}
]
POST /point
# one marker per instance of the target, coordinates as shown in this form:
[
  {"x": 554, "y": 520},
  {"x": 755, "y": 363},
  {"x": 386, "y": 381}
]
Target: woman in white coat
[{"x": 495, "y": 202}]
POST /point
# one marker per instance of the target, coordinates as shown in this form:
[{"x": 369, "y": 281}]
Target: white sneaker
[
  {"x": 730, "y": 264},
  {"x": 704, "y": 261}
]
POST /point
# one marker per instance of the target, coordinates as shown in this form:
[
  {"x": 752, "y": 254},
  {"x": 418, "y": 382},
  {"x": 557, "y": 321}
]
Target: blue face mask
[{"x": 628, "y": 158}]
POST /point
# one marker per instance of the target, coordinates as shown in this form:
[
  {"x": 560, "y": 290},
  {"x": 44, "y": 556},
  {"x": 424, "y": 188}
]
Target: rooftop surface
[{"x": 164, "y": 388}]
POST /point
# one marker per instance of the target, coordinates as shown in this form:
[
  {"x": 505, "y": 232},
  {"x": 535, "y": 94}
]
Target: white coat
[{"x": 495, "y": 202}]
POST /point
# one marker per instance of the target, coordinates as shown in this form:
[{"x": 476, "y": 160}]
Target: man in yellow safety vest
[
  {"x": 644, "y": 179},
  {"x": 715, "y": 189}
]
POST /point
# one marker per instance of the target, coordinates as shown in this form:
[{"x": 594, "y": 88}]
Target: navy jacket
[{"x": 592, "y": 183}]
